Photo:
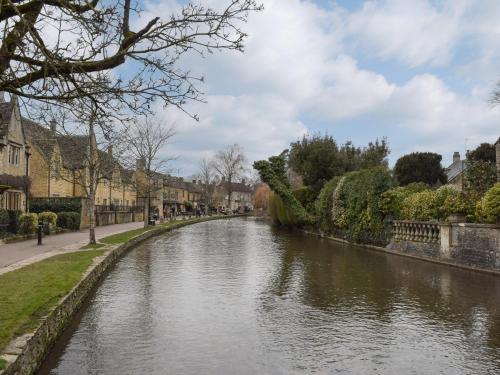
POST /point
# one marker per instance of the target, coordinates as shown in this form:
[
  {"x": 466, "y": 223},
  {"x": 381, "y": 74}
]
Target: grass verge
[
  {"x": 3, "y": 363},
  {"x": 29, "y": 293},
  {"x": 93, "y": 246},
  {"x": 119, "y": 238}
]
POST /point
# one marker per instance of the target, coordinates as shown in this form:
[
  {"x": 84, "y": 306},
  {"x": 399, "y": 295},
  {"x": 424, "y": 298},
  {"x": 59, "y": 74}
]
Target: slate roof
[{"x": 455, "y": 169}]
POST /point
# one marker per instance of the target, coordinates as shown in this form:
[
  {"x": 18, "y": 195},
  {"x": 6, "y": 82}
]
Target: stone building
[
  {"x": 241, "y": 196},
  {"x": 455, "y": 171},
  {"x": 15, "y": 153}
]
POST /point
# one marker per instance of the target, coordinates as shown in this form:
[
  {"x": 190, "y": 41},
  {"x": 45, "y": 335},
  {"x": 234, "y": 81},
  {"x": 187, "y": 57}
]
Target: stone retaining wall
[
  {"x": 26, "y": 353},
  {"x": 471, "y": 245}
]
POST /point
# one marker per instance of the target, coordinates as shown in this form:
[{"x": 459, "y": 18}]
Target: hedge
[
  {"x": 68, "y": 220},
  {"x": 356, "y": 205},
  {"x": 324, "y": 204},
  {"x": 55, "y": 205}
]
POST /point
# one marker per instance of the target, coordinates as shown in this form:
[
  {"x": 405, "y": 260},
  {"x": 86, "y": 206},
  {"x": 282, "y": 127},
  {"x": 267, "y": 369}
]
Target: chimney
[
  {"x": 456, "y": 156},
  {"x": 243, "y": 181},
  {"x": 223, "y": 179},
  {"x": 110, "y": 150},
  {"x": 140, "y": 164},
  {"x": 497, "y": 149},
  {"x": 53, "y": 125},
  {"x": 194, "y": 182},
  {"x": 199, "y": 182}
]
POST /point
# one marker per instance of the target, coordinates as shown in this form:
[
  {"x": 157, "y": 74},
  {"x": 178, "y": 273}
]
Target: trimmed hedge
[
  {"x": 55, "y": 205},
  {"x": 68, "y": 220},
  {"x": 28, "y": 223},
  {"x": 13, "y": 221},
  {"x": 324, "y": 205}
]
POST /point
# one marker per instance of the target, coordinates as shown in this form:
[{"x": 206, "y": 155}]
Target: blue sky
[{"x": 418, "y": 72}]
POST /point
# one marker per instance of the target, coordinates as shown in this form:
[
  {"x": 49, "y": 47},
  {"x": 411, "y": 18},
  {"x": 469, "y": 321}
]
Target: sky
[{"x": 419, "y": 72}]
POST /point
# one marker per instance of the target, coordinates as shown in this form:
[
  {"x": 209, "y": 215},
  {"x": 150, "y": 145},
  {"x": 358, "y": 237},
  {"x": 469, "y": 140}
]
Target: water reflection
[{"x": 239, "y": 297}]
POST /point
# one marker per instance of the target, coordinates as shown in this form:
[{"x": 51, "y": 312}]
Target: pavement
[{"x": 18, "y": 254}]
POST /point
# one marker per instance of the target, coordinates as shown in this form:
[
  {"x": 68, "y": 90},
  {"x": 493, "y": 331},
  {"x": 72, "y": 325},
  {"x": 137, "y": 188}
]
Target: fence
[{"x": 416, "y": 231}]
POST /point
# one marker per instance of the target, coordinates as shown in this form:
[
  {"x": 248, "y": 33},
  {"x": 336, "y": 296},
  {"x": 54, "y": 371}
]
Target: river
[{"x": 241, "y": 297}]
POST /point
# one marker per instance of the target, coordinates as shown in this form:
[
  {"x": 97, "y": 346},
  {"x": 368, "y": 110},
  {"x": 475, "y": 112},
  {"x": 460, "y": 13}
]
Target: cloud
[
  {"x": 303, "y": 61},
  {"x": 412, "y": 31}
]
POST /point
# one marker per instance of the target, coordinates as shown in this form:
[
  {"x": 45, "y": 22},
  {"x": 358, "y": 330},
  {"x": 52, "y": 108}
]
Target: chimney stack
[
  {"x": 194, "y": 182},
  {"x": 456, "y": 156},
  {"x": 243, "y": 181},
  {"x": 53, "y": 125},
  {"x": 110, "y": 150},
  {"x": 140, "y": 164}
]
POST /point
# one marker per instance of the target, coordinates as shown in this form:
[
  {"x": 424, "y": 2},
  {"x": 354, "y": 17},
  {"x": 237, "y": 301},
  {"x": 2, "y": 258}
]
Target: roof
[
  {"x": 39, "y": 136},
  {"x": 193, "y": 188},
  {"x": 455, "y": 169},
  {"x": 238, "y": 187}
]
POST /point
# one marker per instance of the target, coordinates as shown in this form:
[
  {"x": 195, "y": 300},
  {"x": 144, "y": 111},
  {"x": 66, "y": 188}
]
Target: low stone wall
[
  {"x": 463, "y": 244},
  {"x": 26, "y": 353},
  {"x": 475, "y": 245}
]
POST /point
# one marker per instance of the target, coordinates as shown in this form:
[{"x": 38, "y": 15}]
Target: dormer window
[{"x": 14, "y": 152}]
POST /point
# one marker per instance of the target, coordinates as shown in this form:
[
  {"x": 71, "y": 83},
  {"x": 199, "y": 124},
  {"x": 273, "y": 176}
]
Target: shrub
[
  {"x": 13, "y": 221},
  {"x": 28, "y": 223},
  {"x": 419, "y": 206},
  {"x": 391, "y": 201},
  {"x": 49, "y": 220},
  {"x": 491, "y": 203},
  {"x": 48, "y": 217},
  {"x": 419, "y": 167},
  {"x": 324, "y": 204},
  {"x": 306, "y": 196},
  {"x": 4, "y": 220},
  {"x": 356, "y": 204},
  {"x": 68, "y": 220}
]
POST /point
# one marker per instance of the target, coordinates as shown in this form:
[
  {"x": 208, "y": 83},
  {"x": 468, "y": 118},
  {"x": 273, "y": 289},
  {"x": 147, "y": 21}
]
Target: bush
[
  {"x": 391, "y": 201},
  {"x": 419, "y": 206},
  {"x": 28, "y": 223},
  {"x": 324, "y": 204},
  {"x": 68, "y": 220},
  {"x": 306, "y": 196},
  {"x": 49, "y": 219},
  {"x": 356, "y": 204},
  {"x": 491, "y": 203},
  {"x": 4, "y": 220},
  {"x": 13, "y": 221}
]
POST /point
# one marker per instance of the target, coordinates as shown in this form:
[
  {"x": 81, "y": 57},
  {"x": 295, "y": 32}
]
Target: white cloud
[
  {"x": 297, "y": 65},
  {"x": 412, "y": 31}
]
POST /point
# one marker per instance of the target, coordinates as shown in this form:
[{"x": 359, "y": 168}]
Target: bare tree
[
  {"x": 230, "y": 164},
  {"x": 83, "y": 135},
  {"x": 58, "y": 51},
  {"x": 145, "y": 139},
  {"x": 208, "y": 177}
]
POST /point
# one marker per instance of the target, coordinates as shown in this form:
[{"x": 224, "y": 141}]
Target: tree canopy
[
  {"x": 420, "y": 167},
  {"x": 318, "y": 158}
]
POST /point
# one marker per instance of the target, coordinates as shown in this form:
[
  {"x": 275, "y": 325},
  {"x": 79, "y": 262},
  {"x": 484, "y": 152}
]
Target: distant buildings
[{"x": 37, "y": 162}]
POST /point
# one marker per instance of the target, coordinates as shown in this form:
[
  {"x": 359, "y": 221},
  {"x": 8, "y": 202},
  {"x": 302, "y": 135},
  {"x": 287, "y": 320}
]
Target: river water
[{"x": 240, "y": 297}]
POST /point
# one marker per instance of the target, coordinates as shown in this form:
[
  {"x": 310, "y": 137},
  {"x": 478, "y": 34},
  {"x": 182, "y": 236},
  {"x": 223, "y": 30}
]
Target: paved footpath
[{"x": 19, "y": 254}]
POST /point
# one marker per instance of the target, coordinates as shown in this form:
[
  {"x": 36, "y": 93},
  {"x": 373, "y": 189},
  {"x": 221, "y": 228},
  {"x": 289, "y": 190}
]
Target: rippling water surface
[{"x": 239, "y": 297}]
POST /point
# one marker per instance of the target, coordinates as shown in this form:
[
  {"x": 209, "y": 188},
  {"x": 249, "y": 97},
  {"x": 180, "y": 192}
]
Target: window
[
  {"x": 12, "y": 201},
  {"x": 14, "y": 153},
  {"x": 105, "y": 201}
]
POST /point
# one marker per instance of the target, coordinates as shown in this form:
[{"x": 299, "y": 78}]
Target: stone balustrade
[{"x": 416, "y": 231}]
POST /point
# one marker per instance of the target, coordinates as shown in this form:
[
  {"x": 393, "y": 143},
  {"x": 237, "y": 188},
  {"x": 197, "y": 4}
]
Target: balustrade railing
[{"x": 416, "y": 231}]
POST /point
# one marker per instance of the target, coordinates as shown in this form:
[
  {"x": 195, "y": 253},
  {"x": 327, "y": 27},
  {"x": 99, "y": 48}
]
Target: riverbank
[
  {"x": 398, "y": 250},
  {"x": 28, "y": 347}
]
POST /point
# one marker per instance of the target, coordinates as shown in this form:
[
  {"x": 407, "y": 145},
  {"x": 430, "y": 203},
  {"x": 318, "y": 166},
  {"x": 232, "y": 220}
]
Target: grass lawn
[
  {"x": 93, "y": 246},
  {"x": 29, "y": 293}
]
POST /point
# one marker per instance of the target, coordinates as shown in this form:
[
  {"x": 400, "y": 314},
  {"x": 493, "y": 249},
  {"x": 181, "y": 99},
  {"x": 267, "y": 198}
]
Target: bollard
[{"x": 39, "y": 233}]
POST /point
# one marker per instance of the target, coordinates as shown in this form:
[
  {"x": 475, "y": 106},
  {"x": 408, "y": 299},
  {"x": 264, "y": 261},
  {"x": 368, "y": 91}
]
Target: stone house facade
[
  {"x": 15, "y": 153},
  {"x": 241, "y": 196}
]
